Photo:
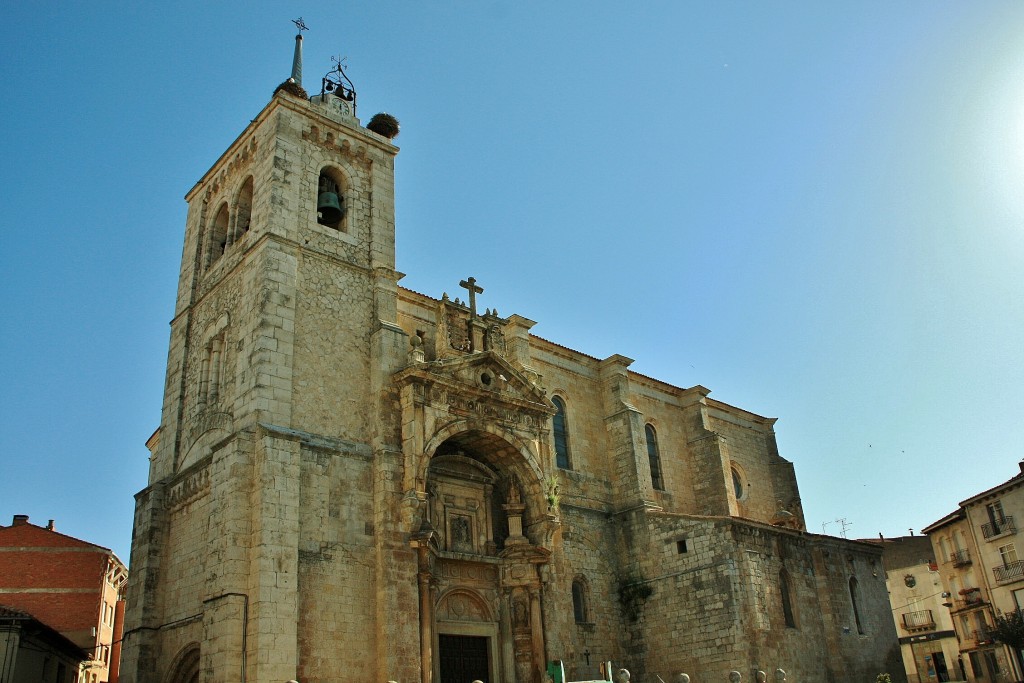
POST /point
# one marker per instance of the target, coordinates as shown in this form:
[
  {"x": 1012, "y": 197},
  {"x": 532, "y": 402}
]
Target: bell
[{"x": 328, "y": 207}]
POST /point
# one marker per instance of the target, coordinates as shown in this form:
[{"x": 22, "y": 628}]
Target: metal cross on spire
[
  {"x": 470, "y": 284},
  {"x": 297, "y": 57}
]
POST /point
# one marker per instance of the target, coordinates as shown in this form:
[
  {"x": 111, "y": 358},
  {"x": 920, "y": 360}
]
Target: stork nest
[
  {"x": 292, "y": 88},
  {"x": 384, "y": 124}
]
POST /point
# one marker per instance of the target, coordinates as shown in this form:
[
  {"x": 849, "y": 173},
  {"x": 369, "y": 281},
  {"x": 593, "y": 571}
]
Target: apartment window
[
  {"x": 992, "y": 663},
  {"x": 561, "y": 434},
  {"x": 1018, "y": 598},
  {"x": 1008, "y": 554},
  {"x": 654, "y": 458}
]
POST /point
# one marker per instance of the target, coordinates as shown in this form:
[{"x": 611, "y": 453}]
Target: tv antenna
[{"x": 843, "y": 526}]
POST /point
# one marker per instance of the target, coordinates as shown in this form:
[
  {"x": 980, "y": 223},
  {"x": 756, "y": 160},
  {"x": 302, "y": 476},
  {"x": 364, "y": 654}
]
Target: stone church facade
[{"x": 353, "y": 481}]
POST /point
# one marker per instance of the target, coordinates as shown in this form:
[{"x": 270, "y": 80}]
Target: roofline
[
  {"x": 954, "y": 516},
  {"x": 73, "y": 538},
  {"x": 1018, "y": 479},
  {"x": 669, "y": 388}
]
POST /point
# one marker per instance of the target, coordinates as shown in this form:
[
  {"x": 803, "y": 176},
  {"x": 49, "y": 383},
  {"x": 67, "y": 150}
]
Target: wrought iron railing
[
  {"x": 998, "y": 527},
  {"x": 981, "y": 636},
  {"x": 1009, "y": 572},
  {"x": 960, "y": 558},
  {"x": 969, "y": 597},
  {"x": 918, "y": 621}
]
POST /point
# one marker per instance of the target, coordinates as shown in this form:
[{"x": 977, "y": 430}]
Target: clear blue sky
[{"x": 814, "y": 209}]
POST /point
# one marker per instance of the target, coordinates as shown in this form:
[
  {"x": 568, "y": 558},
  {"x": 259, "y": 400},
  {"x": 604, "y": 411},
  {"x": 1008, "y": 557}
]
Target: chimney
[
  {"x": 1021, "y": 466},
  {"x": 19, "y": 520},
  {"x": 49, "y": 525}
]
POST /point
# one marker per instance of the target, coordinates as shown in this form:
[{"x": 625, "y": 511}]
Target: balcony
[
  {"x": 981, "y": 637},
  {"x": 1013, "y": 571},
  {"x": 969, "y": 598},
  {"x": 998, "y": 527},
  {"x": 918, "y": 621},
  {"x": 960, "y": 558}
]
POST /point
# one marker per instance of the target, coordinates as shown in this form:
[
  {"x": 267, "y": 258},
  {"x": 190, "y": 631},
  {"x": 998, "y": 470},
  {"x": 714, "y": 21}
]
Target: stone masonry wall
[
  {"x": 587, "y": 551},
  {"x": 336, "y": 562}
]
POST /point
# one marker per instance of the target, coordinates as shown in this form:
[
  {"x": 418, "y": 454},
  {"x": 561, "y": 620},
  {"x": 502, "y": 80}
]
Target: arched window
[
  {"x": 330, "y": 208},
  {"x": 580, "y": 596},
  {"x": 218, "y": 236},
  {"x": 855, "y": 601},
  {"x": 654, "y": 458},
  {"x": 785, "y": 594},
  {"x": 561, "y": 434},
  {"x": 737, "y": 483}
]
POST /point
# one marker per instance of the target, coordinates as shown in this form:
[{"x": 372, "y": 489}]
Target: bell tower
[{"x": 282, "y": 338}]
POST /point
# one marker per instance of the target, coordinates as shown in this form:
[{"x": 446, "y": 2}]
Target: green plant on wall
[
  {"x": 632, "y": 596},
  {"x": 551, "y": 489},
  {"x": 883, "y": 678}
]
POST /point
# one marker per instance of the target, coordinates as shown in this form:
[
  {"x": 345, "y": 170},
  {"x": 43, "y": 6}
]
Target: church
[{"x": 353, "y": 481}]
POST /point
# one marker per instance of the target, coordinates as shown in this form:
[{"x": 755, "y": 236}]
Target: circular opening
[{"x": 485, "y": 379}]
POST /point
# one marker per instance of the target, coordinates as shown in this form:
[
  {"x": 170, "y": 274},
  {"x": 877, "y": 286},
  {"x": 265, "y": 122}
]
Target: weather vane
[
  {"x": 300, "y": 24},
  {"x": 337, "y": 82}
]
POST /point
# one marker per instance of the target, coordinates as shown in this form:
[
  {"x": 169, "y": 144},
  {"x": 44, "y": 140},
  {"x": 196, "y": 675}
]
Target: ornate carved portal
[{"x": 480, "y": 577}]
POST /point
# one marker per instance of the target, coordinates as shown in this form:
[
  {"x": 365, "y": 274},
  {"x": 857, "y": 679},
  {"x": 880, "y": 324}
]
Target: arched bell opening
[
  {"x": 480, "y": 493},
  {"x": 243, "y": 204},
  {"x": 330, "y": 198},
  {"x": 217, "y": 239}
]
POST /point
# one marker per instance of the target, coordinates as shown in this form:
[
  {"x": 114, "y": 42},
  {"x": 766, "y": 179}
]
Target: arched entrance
[
  {"x": 480, "y": 552},
  {"x": 186, "y": 666}
]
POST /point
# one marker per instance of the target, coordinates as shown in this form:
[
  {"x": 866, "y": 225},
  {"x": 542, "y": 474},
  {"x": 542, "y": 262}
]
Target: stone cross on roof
[{"x": 470, "y": 284}]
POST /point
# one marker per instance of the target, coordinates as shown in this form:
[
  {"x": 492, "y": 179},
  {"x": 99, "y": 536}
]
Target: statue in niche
[
  {"x": 514, "y": 497},
  {"x": 433, "y": 507},
  {"x": 462, "y": 534},
  {"x": 520, "y": 615},
  {"x": 494, "y": 340},
  {"x": 458, "y": 336}
]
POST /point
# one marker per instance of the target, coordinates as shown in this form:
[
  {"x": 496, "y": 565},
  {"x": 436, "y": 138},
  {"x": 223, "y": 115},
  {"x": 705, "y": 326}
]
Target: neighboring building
[
  {"x": 32, "y": 651},
  {"x": 354, "y": 481},
  {"x": 931, "y": 652},
  {"x": 975, "y": 547},
  {"x": 70, "y": 585}
]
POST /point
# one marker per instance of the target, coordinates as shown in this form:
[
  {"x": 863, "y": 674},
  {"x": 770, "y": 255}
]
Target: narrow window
[
  {"x": 854, "y": 600},
  {"x": 786, "y": 597},
  {"x": 579, "y": 601},
  {"x": 654, "y": 458},
  {"x": 737, "y": 484},
  {"x": 681, "y": 546},
  {"x": 212, "y": 371},
  {"x": 561, "y": 435}
]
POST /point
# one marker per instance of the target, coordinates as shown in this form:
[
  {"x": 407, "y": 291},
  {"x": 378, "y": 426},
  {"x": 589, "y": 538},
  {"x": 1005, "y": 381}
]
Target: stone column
[
  {"x": 537, "y": 631},
  {"x": 505, "y": 636},
  {"x": 426, "y": 618}
]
